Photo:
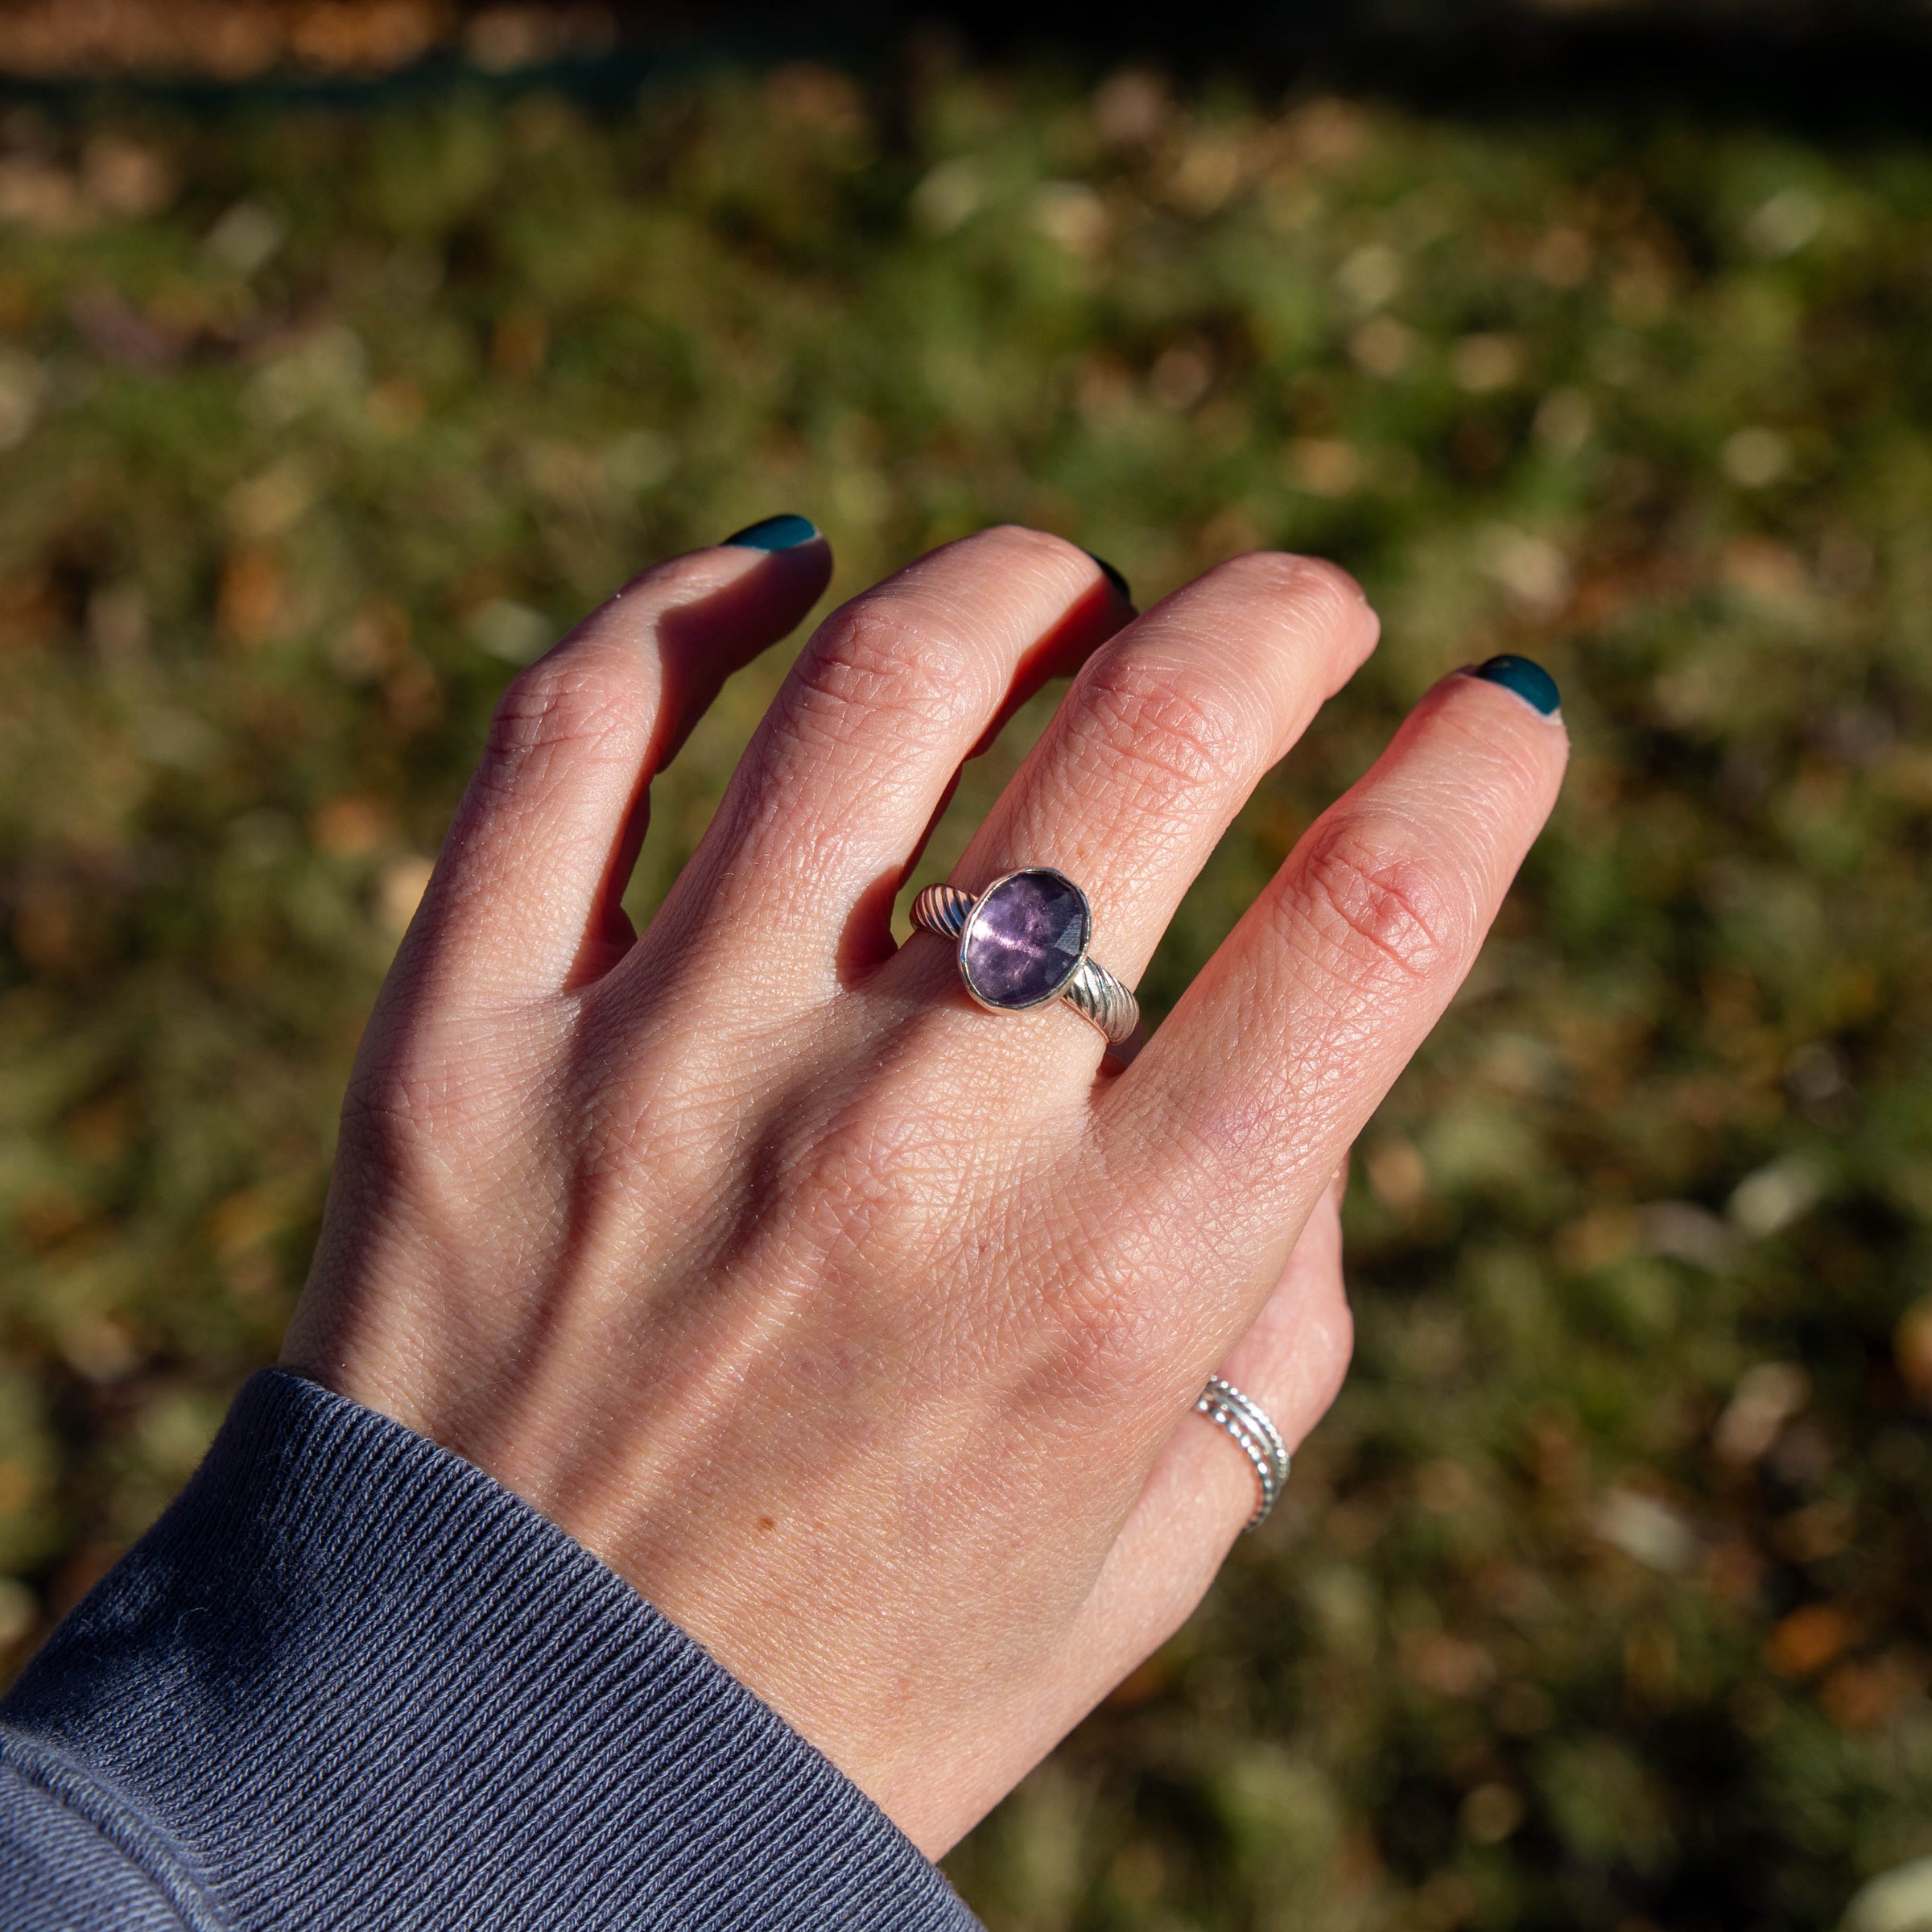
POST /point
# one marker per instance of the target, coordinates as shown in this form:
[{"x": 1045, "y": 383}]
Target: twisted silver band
[
  {"x": 1248, "y": 1425},
  {"x": 1093, "y": 992}
]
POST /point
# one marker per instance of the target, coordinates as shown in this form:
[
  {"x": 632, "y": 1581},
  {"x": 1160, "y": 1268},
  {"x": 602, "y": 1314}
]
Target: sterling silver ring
[
  {"x": 1022, "y": 943},
  {"x": 1252, "y": 1431}
]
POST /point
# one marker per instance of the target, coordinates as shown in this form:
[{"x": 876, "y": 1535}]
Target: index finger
[{"x": 1239, "y": 1108}]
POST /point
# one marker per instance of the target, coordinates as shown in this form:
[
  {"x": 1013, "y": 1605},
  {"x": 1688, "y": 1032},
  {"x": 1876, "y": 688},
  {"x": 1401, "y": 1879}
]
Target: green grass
[{"x": 1603, "y": 1600}]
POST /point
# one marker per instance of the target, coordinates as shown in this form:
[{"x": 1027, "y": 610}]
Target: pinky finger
[{"x": 1202, "y": 1489}]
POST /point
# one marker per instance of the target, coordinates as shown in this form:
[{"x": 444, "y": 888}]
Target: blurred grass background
[{"x": 1603, "y": 1600}]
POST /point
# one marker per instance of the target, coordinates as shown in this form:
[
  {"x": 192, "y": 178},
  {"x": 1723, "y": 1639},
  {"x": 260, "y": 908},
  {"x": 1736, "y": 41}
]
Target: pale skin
[{"x": 857, "y": 1326}]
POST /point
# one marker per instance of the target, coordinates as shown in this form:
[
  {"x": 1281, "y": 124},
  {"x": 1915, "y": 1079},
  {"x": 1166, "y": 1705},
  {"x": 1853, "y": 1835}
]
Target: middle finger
[{"x": 1158, "y": 743}]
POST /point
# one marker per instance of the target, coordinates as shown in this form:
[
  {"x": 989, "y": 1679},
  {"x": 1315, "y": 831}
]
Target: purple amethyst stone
[{"x": 1023, "y": 938}]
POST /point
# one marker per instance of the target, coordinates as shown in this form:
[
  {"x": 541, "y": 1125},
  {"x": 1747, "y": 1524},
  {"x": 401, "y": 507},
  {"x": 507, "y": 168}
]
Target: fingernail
[
  {"x": 787, "y": 532},
  {"x": 1526, "y": 678},
  {"x": 1112, "y": 576}
]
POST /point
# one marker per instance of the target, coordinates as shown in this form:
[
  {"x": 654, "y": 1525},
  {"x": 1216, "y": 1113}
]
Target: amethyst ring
[{"x": 1022, "y": 943}]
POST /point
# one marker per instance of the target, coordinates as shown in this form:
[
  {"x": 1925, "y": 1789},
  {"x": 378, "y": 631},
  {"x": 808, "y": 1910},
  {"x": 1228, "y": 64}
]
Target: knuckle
[
  {"x": 1104, "y": 1342},
  {"x": 1281, "y": 573},
  {"x": 1327, "y": 587},
  {"x": 1171, "y": 729},
  {"x": 1362, "y": 897},
  {"x": 442, "y": 1093},
  {"x": 1301, "y": 598},
  {"x": 395, "y": 1111},
  {"x": 1265, "y": 572},
  {"x": 876, "y": 657},
  {"x": 1055, "y": 552},
  {"x": 1042, "y": 540},
  {"x": 880, "y": 1186},
  {"x": 562, "y": 704},
  {"x": 1112, "y": 1333}
]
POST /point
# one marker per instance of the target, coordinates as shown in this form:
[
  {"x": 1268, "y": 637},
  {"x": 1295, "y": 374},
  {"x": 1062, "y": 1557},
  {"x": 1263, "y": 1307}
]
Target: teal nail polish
[
  {"x": 774, "y": 532},
  {"x": 1526, "y": 678},
  {"x": 1112, "y": 576}
]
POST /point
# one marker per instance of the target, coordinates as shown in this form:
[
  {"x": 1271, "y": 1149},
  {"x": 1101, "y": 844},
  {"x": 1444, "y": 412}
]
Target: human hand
[{"x": 859, "y": 1328}]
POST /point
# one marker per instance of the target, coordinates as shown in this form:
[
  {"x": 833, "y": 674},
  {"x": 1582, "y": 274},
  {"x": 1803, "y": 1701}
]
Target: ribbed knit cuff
[{"x": 347, "y": 1680}]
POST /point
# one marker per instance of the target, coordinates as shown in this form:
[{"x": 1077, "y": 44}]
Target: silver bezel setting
[{"x": 1045, "y": 999}]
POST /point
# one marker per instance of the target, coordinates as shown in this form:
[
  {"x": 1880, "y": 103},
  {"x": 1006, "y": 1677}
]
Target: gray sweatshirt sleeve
[{"x": 348, "y": 1681}]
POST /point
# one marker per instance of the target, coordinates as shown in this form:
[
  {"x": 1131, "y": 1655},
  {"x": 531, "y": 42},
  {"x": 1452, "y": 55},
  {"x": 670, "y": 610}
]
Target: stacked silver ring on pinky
[{"x": 1252, "y": 1431}]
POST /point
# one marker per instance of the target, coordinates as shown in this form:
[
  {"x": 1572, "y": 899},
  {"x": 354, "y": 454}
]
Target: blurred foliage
[{"x": 1603, "y": 1600}]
